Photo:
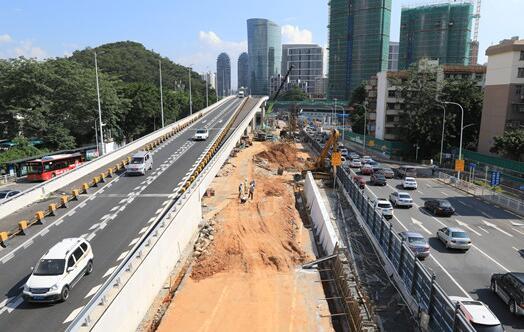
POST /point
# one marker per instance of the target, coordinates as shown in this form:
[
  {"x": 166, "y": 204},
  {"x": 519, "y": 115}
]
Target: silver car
[
  {"x": 454, "y": 238},
  {"x": 401, "y": 199}
]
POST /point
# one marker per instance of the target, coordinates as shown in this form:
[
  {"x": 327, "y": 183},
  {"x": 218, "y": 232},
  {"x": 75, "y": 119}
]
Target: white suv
[
  {"x": 141, "y": 162},
  {"x": 59, "y": 270},
  {"x": 478, "y": 314},
  {"x": 384, "y": 206}
]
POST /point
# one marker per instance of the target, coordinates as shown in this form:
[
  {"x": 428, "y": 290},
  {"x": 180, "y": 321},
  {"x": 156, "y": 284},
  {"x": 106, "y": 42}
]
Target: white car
[
  {"x": 140, "y": 163},
  {"x": 409, "y": 183},
  {"x": 201, "y": 134},
  {"x": 355, "y": 163},
  {"x": 478, "y": 314},
  {"x": 383, "y": 206},
  {"x": 454, "y": 238},
  {"x": 366, "y": 159},
  {"x": 58, "y": 271},
  {"x": 399, "y": 199}
]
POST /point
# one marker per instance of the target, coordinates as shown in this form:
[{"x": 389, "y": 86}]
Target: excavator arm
[{"x": 331, "y": 142}]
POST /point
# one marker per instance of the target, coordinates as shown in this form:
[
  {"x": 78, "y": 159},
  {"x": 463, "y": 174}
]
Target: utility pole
[
  {"x": 442, "y": 139},
  {"x": 99, "y": 108},
  {"x": 207, "y": 83},
  {"x": 161, "y": 95},
  {"x": 461, "y": 129},
  {"x": 190, "y": 97}
]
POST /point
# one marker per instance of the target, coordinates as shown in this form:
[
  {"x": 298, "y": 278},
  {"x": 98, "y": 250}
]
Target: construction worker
[
  {"x": 240, "y": 190},
  {"x": 246, "y": 188},
  {"x": 252, "y": 190}
]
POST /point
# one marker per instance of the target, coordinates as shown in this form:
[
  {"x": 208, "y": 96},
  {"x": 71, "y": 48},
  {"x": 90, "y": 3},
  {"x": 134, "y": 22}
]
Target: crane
[{"x": 475, "y": 41}]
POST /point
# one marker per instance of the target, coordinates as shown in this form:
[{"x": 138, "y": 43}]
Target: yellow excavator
[{"x": 319, "y": 167}]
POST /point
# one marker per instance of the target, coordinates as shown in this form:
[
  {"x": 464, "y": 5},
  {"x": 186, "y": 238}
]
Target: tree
[
  {"x": 21, "y": 149},
  {"x": 294, "y": 94},
  {"x": 510, "y": 145},
  {"x": 358, "y": 98}
]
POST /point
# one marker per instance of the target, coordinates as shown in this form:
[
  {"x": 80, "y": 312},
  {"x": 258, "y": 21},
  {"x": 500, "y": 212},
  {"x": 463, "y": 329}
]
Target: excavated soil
[{"x": 283, "y": 154}]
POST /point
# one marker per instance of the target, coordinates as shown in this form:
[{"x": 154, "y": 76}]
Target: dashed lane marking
[
  {"x": 109, "y": 271},
  {"x": 122, "y": 255},
  {"x": 84, "y": 235},
  {"x": 518, "y": 231},
  {"x": 159, "y": 210},
  {"x": 490, "y": 258},
  {"x": 496, "y": 228},
  {"x": 151, "y": 220},
  {"x": 73, "y": 315},
  {"x": 44, "y": 232},
  {"x": 516, "y": 249},
  {"x": 419, "y": 224},
  {"x": 450, "y": 276},
  {"x": 114, "y": 208},
  {"x": 482, "y": 229},
  {"x": 27, "y": 244},
  {"x": 90, "y": 236},
  {"x": 7, "y": 258},
  {"x": 134, "y": 241},
  {"x": 93, "y": 291},
  {"x": 463, "y": 224},
  {"x": 443, "y": 193},
  {"x": 143, "y": 230},
  {"x": 94, "y": 226}
]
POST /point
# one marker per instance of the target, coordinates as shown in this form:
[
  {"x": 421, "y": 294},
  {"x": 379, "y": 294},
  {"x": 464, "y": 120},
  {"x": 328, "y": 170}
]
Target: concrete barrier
[
  {"x": 320, "y": 216},
  {"x": 143, "y": 272},
  {"x": 41, "y": 190}
]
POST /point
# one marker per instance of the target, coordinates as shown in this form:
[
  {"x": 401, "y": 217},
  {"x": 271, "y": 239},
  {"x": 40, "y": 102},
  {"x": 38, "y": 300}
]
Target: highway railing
[
  {"x": 504, "y": 201},
  {"x": 435, "y": 309},
  {"x": 130, "y": 289}
]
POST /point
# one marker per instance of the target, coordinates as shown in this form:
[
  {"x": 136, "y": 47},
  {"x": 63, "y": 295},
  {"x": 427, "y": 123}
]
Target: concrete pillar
[{"x": 254, "y": 123}]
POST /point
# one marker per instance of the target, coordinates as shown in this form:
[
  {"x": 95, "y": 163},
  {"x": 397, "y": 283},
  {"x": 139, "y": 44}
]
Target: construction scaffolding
[{"x": 440, "y": 31}]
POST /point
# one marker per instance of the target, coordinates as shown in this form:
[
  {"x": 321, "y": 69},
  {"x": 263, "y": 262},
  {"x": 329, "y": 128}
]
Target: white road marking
[
  {"x": 484, "y": 230},
  {"x": 420, "y": 192},
  {"x": 93, "y": 291},
  {"x": 165, "y": 203},
  {"x": 13, "y": 304},
  {"x": 463, "y": 224},
  {"x": 134, "y": 241},
  {"x": 73, "y": 315},
  {"x": 84, "y": 235},
  {"x": 518, "y": 231},
  {"x": 419, "y": 224},
  {"x": 489, "y": 257},
  {"x": 443, "y": 193},
  {"x": 450, "y": 276},
  {"x": 7, "y": 257},
  {"x": 159, "y": 210},
  {"x": 401, "y": 224},
  {"x": 516, "y": 224},
  {"x": 114, "y": 208},
  {"x": 94, "y": 226},
  {"x": 428, "y": 185},
  {"x": 44, "y": 232},
  {"x": 496, "y": 227},
  {"x": 108, "y": 272},
  {"x": 465, "y": 204},
  {"x": 122, "y": 201},
  {"x": 27, "y": 244},
  {"x": 151, "y": 220},
  {"x": 122, "y": 255},
  {"x": 81, "y": 205},
  {"x": 485, "y": 214},
  {"x": 516, "y": 249},
  {"x": 143, "y": 230},
  {"x": 5, "y": 301},
  {"x": 440, "y": 222},
  {"x": 90, "y": 236}
]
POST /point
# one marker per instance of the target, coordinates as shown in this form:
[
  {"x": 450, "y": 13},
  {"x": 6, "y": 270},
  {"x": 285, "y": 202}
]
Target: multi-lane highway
[
  {"x": 112, "y": 218},
  {"x": 497, "y": 236}
]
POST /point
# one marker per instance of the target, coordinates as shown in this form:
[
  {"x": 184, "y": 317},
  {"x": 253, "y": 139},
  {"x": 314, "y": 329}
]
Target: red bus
[{"x": 50, "y": 166}]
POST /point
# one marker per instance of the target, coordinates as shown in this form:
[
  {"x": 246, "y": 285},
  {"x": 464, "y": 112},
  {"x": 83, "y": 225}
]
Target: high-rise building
[
  {"x": 223, "y": 75},
  {"x": 503, "y": 107},
  {"x": 438, "y": 32},
  {"x": 210, "y": 78},
  {"x": 307, "y": 61},
  {"x": 243, "y": 71},
  {"x": 264, "y": 40},
  {"x": 393, "y": 56},
  {"x": 358, "y": 43}
]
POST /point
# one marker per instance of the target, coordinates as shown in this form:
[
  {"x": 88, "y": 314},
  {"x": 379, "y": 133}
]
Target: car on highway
[
  {"x": 366, "y": 159},
  {"x": 376, "y": 168},
  {"x": 140, "y": 163},
  {"x": 344, "y": 152},
  {"x": 59, "y": 269},
  {"x": 409, "y": 183},
  {"x": 360, "y": 181},
  {"x": 406, "y": 170},
  {"x": 388, "y": 172},
  {"x": 377, "y": 179},
  {"x": 510, "y": 288},
  {"x": 353, "y": 155},
  {"x": 478, "y": 314},
  {"x": 6, "y": 194},
  {"x": 201, "y": 134},
  {"x": 454, "y": 238},
  {"x": 384, "y": 207},
  {"x": 366, "y": 169},
  {"x": 439, "y": 207},
  {"x": 401, "y": 199},
  {"x": 355, "y": 163},
  {"x": 417, "y": 243}
]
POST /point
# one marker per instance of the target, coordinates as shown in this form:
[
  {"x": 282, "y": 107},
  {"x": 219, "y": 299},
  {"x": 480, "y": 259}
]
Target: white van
[
  {"x": 140, "y": 163},
  {"x": 58, "y": 271}
]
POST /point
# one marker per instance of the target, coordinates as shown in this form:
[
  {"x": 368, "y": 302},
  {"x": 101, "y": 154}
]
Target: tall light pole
[
  {"x": 461, "y": 128},
  {"x": 207, "y": 83},
  {"x": 442, "y": 139},
  {"x": 99, "y": 108},
  {"x": 161, "y": 94},
  {"x": 96, "y": 138},
  {"x": 365, "y": 126},
  {"x": 190, "y": 97},
  {"x": 343, "y": 118}
]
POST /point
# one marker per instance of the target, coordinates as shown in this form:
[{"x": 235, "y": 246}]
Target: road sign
[
  {"x": 472, "y": 165},
  {"x": 459, "y": 165},
  {"x": 336, "y": 159},
  {"x": 495, "y": 178}
]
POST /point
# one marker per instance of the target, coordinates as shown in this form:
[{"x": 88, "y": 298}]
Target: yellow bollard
[
  {"x": 63, "y": 200},
  {"x": 22, "y": 226},
  {"x": 3, "y": 237},
  {"x": 85, "y": 186},
  {"x": 75, "y": 193},
  {"x": 52, "y": 209},
  {"x": 109, "y": 172},
  {"x": 39, "y": 216},
  {"x": 102, "y": 177}
]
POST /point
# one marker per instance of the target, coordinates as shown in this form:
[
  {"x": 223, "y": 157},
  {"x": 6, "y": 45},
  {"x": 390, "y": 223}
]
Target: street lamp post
[
  {"x": 190, "y": 97},
  {"x": 461, "y": 128},
  {"x": 207, "y": 83},
  {"x": 365, "y": 127},
  {"x": 161, "y": 94},
  {"x": 99, "y": 108},
  {"x": 442, "y": 139}
]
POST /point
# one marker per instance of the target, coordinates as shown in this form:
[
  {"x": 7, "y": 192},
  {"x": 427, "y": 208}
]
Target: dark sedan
[
  {"x": 360, "y": 181},
  {"x": 378, "y": 179},
  {"x": 6, "y": 194},
  {"x": 439, "y": 207}
]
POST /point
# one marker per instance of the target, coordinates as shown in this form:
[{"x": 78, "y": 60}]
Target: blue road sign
[
  {"x": 495, "y": 178},
  {"x": 472, "y": 165}
]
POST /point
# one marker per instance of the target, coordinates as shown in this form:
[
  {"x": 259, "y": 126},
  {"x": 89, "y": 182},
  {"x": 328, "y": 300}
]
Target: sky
[{"x": 195, "y": 32}]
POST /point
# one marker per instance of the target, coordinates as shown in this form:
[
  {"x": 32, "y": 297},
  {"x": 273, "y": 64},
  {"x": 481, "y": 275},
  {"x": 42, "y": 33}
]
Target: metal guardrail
[
  {"x": 504, "y": 201},
  {"x": 146, "y": 242},
  {"x": 420, "y": 283}
]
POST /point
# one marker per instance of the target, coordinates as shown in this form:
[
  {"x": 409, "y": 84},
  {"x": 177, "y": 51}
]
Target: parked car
[
  {"x": 409, "y": 183},
  {"x": 360, "y": 181},
  {"x": 454, "y": 238},
  {"x": 58, "y": 271},
  {"x": 355, "y": 163},
  {"x": 140, "y": 163},
  {"x": 378, "y": 179},
  {"x": 510, "y": 288},
  {"x": 440, "y": 207},
  {"x": 388, "y": 172},
  {"x": 383, "y": 206},
  {"x": 417, "y": 243},
  {"x": 6, "y": 194},
  {"x": 366, "y": 169},
  {"x": 401, "y": 199},
  {"x": 406, "y": 170},
  {"x": 478, "y": 314},
  {"x": 201, "y": 134}
]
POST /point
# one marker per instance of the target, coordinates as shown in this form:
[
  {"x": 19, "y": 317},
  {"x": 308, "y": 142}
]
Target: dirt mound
[
  {"x": 281, "y": 155},
  {"x": 258, "y": 235}
]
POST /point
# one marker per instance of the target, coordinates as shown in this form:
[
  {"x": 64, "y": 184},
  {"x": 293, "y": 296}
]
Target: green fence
[
  {"x": 515, "y": 166},
  {"x": 388, "y": 148}
]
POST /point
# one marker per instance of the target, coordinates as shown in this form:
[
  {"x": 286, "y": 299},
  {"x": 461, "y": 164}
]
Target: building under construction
[{"x": 438, "y": 31}]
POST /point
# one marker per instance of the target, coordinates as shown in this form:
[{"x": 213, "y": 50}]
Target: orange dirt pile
[
  {"x": 247, "y": 279},
  {"x": 283, "y": 155}
]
